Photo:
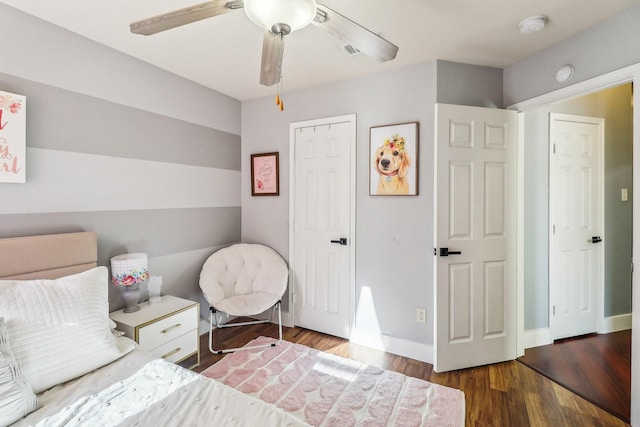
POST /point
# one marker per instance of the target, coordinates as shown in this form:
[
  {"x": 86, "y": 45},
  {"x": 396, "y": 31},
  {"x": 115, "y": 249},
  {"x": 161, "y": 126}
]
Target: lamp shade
[
  {"x": 129, "y": 269},
  {"x": 267, "y": 13}
]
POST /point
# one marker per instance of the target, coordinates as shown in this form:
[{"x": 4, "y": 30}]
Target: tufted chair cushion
[{"x": 244, "y": 279}]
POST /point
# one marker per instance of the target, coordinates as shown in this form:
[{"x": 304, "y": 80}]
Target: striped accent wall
[{"x": 145, "y": 182}]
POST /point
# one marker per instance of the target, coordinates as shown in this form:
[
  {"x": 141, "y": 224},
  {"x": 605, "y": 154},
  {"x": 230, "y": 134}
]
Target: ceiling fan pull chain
[
  {"x": 281, "y": 105},
  {"x": 280, "y": 91}
]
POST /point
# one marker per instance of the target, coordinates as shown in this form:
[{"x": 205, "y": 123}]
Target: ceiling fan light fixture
[{"x": 274, "y": 15}]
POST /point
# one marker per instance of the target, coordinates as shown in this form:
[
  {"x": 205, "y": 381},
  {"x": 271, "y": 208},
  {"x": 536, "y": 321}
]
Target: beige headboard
[{"x": 47, "y": 257}]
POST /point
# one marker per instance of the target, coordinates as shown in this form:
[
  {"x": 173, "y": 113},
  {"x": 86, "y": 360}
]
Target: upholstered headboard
[{"x": 47, "y": 257}]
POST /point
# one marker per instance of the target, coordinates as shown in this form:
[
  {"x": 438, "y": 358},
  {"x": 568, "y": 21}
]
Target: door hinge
[
  {"x": 554, "y": 310},
  {"x": 554, "y": 148},
  {"x": 554, "y": 229}
]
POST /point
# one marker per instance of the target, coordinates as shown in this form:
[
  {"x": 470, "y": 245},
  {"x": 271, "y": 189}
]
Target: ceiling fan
[{"x": 279, "y": 18}]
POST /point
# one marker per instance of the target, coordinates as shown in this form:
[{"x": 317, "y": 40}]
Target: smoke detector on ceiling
[
  {"x": 533, "y": 24},
  {"x": 565, "y": 73}
]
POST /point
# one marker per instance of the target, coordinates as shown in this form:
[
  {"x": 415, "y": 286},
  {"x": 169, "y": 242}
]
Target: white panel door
[
  {"x": 576, "y": 218},
  {"x": 322, "y": 233},
  {"x": 475, "y": 232}
]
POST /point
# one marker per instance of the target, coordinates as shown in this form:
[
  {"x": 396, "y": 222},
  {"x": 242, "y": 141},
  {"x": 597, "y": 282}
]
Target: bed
[{"x": 61, "y": 363}]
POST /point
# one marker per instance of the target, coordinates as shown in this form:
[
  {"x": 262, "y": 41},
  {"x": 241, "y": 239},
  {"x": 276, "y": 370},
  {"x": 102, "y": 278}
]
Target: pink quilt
[{"x": 327, "y": 390}]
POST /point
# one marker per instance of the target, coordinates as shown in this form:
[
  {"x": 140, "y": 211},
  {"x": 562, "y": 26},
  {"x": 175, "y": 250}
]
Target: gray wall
[
  {"x": 463, "y": 84},
  {"x": 536, "y": 220},
  {"x": 603, "y": 48},
  {"x": 404, "y": 95},
  {"x": 107, "y": 152},
  {"x": 614, "y": 105}
]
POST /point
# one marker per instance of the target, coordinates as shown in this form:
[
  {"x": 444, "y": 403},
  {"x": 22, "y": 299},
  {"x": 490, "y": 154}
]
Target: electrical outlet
[{"x": 421, "y": 315}]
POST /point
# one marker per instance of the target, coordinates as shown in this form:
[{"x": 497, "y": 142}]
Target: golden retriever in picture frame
[{"x": 394, "y": 159}]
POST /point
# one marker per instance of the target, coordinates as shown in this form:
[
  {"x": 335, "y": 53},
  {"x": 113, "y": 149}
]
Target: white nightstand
[{"x": 168, "y": 328}]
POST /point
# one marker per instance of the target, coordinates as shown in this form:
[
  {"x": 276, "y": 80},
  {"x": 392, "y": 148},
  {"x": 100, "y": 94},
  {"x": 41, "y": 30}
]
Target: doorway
[{"x": 615, "y": 105}]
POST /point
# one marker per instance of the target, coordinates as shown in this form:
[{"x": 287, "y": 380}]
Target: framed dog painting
[{"x": 394, "y": 160}]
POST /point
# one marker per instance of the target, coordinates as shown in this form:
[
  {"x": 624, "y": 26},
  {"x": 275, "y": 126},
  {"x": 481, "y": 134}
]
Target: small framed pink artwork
[
  {"x": 13, "y": 137},
  {"x": 265, "y": 180}
]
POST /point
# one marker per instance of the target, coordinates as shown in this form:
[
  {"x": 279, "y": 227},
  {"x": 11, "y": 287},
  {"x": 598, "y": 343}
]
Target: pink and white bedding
[{"x": 141, "y": 390}]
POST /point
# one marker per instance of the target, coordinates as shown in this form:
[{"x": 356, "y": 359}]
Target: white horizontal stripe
[{"x": 62, "y": 181}]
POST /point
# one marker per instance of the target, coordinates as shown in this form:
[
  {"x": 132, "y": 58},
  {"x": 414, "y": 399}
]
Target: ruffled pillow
[{"x": 16, "y": 397}]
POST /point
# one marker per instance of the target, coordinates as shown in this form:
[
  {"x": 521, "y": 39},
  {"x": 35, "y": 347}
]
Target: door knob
[
  {"x": 447, "y": 252},
  {"x": 596, "y": 239},
  {"x": 342, "y": 241}
]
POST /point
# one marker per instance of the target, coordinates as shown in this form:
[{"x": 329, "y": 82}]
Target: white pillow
[
  {"x": 16, "y": 397},
  {"x": 59, "y": 328}
]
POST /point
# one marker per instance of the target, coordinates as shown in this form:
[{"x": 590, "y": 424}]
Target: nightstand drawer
[
  {"x": 178, "y": 348},
  {"x": 169, "y": 328}
]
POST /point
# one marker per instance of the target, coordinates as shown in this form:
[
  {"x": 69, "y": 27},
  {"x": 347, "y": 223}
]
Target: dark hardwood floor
[
  {"x": 506, "y": 394},
  {"x": 596, "y": 367}
]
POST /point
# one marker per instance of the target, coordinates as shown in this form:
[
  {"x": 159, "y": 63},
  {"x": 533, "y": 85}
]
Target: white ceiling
[{"x": 224, "y": 52}]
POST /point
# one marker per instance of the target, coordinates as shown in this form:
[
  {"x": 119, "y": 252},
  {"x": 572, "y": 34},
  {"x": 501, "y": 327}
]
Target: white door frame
[
  {"x": 614, "y": 78},
  {"x": 351, "y": 119},
  {"x": 554, "y": 265}
]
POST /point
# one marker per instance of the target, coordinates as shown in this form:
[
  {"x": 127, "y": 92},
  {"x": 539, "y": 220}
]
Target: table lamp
[{"x": 127, "y": 271}]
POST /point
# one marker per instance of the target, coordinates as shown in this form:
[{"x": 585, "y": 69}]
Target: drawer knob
[
  {"x": 171, "y": 353},
  {"x": 171, "y": 328}
]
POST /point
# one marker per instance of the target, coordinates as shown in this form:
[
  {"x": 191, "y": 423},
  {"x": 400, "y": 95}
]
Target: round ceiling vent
[{"x": 532, "y": 24}]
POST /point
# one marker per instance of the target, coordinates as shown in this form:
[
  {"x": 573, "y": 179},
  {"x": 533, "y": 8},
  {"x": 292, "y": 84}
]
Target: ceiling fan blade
[
  {"x": 355, "y": 34},
  {"x": 184, "y": 16},
  {"x": 272, "y": 51}
]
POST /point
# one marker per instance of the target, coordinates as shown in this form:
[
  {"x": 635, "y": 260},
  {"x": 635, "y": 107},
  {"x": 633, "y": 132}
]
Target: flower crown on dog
[{"x": 395, "y": 143}]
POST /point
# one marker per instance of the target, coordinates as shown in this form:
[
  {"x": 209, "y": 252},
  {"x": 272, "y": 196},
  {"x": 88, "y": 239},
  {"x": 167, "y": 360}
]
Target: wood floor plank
[
  {"x": 596, "y": 367},
  {"x": 502, "y": 395}
]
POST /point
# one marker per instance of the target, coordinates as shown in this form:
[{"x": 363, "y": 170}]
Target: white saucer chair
[{"x": 243, "y": 280}]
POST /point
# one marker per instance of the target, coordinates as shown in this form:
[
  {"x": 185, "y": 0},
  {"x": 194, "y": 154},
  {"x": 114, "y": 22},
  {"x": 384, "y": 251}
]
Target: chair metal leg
[{"x": 213, "y": 319}]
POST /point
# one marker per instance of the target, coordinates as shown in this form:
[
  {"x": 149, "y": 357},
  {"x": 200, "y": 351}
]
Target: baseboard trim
[
  {"x": 621, "y": 322},
  {"x": 203, "y": 327},
  {"x": 543, "y": 336},
  {"x": 537, "y": 337},
  {"x": 393, "y": 345},
  {"x": 287, "y": 320}
]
